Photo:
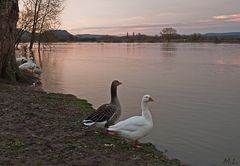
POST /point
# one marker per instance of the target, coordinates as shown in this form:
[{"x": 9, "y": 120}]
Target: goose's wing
[
  {"x": 32, "y": 65},
  {"x": 114, "y": 117},
  {"x": 130, "y": 124},
  {"x": 18, "y": 59},
  {"x": 24, "y": 66},
  {"x": 103, "y": 113}
]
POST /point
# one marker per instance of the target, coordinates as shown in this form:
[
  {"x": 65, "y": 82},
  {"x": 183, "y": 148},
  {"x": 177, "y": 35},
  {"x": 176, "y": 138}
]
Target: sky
[{"x": 117, "y": 17}]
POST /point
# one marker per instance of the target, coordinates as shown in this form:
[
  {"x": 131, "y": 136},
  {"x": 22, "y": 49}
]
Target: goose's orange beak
[{"x": 151, "y": 99}]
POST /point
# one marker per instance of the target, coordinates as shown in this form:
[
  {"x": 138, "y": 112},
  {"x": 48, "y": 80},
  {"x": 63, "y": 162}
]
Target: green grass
[
  {"x": 68, "y": 100},
  {"x": 14, "y": 144}
]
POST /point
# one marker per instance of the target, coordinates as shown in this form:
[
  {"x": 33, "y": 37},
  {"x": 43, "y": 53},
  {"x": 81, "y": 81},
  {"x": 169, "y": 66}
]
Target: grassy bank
[{"x": 39, "y": 128}]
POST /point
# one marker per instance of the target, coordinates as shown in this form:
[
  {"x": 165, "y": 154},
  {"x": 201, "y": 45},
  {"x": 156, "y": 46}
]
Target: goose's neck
[
  {"x": 113, "y": 92},
  {"x": 114, "y": 98},
  {"x": 145, "y": 111}
]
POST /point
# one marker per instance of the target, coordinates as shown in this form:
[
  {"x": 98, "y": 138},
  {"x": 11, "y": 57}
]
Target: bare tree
[
  {"x": 8, "y": 18},
  {"x": 37, "y": 7},
  {"x": 24, "y": 23},
  {"x": 50, "y": 17},
  {"x": 44, "y": 15},
  {"x": 168, "y": 33}
]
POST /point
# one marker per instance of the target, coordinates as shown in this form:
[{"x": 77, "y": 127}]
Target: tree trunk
[
  {"x": 35, "y": 21},
  {"x": 42, "y": 24},
  {"x": 8, "y": 19},
  {"x": 18, "y": 37}
]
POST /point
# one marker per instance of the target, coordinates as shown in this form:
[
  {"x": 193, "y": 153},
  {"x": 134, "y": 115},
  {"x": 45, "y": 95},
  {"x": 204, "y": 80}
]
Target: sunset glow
[
  {"x": 149, "y": 16},
  {"x": 232, "y": 17}
]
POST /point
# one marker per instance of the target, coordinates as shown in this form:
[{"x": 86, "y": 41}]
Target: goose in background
[
  {"x": 37, "y": 70},
  {"x": 106, "y": 114},
  {"x": 135, "y": 127},
  {"x": 30, "y": 65},
  {"x": 21, "y": 60}
]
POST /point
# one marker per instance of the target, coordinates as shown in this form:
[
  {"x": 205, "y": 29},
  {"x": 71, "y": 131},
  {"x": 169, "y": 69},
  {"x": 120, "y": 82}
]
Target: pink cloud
[{"x": 231, "y": 17}]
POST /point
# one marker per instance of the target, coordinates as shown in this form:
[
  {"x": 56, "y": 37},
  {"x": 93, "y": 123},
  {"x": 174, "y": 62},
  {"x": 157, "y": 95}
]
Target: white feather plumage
[{"x": 135, "y": 127}]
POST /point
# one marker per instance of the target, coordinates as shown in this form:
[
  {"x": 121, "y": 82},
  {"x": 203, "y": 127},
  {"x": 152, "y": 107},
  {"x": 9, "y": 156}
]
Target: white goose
[
  {"x": 21, "y": 60},
  {"x": 29, "y": 65},
  {"x": 37, "y": 70},
  {"x": 135, "y": 127}
]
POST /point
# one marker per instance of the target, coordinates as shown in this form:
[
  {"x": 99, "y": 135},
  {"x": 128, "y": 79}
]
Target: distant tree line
[
  {"x": 165, "y": 35},
  {"x": 170, "y": 35}
]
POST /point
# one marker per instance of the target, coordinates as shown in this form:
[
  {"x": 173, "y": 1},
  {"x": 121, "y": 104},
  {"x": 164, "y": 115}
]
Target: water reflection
[
  {"x": 168, "y": 47},
  {"x": 168, "y": 53},
  {"x": 52, "y": 66},
  {"x": 196, "y": 87},
  {"x": 226, "y": 61}
]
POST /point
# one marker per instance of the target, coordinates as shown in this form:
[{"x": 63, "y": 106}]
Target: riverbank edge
[{"x": 46, "y": 129}]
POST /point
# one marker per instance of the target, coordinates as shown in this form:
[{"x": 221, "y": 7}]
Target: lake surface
[{"x": 196, "y": 88}]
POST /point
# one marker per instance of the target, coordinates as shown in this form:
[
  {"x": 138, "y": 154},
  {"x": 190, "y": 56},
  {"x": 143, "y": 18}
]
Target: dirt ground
[{"x": 46, "y": 129}]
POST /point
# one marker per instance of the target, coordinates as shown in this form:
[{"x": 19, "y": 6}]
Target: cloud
[
  {"x": 204, "y": 21},
  {"x": 135, "y": 18},
  {"x": 231, "y": 17},
  {"x": 202, "y": 25},
  {"x": 130, "y": 26},
  {"x": 171, "y": 14}
]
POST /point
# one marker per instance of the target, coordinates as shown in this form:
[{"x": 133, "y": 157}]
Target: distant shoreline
[
  {"x": 65, "y": 36},
  {"x": 227, "y": 42}
]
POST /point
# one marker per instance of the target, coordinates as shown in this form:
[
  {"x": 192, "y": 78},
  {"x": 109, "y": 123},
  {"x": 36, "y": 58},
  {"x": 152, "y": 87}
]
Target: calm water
[{"x": 196, "y": 88}]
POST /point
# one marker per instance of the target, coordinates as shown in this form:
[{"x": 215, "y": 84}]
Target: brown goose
[{"x": 106, "y": 114}]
